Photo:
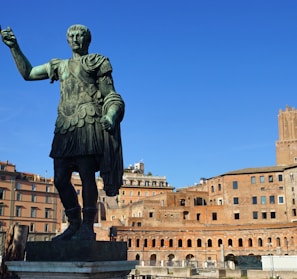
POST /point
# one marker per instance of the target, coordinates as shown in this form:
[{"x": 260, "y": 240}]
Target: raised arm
[{"x": 24, "y": 66}]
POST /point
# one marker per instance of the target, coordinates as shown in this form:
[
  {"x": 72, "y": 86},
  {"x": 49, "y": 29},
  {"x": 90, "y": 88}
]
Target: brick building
[{"x": 28, "y": 199}]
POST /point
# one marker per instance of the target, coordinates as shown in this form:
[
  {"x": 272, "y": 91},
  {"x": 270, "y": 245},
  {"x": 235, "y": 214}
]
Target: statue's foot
[
  {"x": 66, "y": 235},
  {"x": 84, "y": 233}
]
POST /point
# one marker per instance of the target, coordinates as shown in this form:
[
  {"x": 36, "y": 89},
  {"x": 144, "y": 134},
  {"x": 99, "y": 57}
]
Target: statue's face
[{"x": 78, "y": 41}]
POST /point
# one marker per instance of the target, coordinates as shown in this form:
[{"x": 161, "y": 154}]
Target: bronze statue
[{"x": 87, "y": 131}]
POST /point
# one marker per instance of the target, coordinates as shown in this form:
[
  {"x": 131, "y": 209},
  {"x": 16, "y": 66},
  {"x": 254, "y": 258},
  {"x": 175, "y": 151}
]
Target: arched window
[
  {"x": 137, "y": 242},
  {"x": 189, "y": 243},
  {"x": 230, "y": 242},
  {"x": 170, "y": 242},
  {"x": 180, "y": 243},
  {"x": 199, "y": 242},
  {"x": 162, "y": 242},
  {"x": 153, "y": 242},
  {"x": 145, "y": 243},
  {"x": 240, "y": 242},
  {"x": 129, "y": 242},
  {"x": 260, "y": 242},
  {"x": 220, "y": 241},
  {"x": 209, "y": 243},
  {"x": 137, "y": 258},
  {"x": 278, "y": 242},
  {"x": 250, "y": 242}
]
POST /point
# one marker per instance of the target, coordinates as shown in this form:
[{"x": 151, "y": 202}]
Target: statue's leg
[
  {"x": 87, "y": 169},
  {"x": 62, "y": 180}
]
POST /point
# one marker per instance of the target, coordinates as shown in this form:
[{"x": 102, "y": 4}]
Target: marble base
[{"x": 71, "y": 270}]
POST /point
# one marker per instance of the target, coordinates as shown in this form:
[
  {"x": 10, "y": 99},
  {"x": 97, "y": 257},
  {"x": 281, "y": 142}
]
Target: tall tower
[{"x": 286, "y": 145}]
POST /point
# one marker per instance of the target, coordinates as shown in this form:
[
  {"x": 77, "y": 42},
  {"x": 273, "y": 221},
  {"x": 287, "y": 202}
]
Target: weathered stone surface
[{"x": 73, "y": 251}]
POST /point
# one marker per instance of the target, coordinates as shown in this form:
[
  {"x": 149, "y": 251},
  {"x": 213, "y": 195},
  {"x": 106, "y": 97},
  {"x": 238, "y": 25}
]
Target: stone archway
[{"x": 153, "y": 259}]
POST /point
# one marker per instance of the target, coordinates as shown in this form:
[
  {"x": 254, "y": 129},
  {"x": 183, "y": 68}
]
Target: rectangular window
[
  {"x": 270, "y": 178},
  {"x": 151, "y": 214},
  {"x": 198, "y": 216},
  {"x": 18, "y": 196},
  {"x": 235, "y": 200},
  {"x": 18, "y": 211},
  {"x": 47, "y": 213},
  {"x": 33, "y": 198},
  {"x": 253, "y": 179},
  {"x": 255, "y": 215},
  {"x": 236, "y": 216},
  {"x": 254, "y": 200},
  {"x": 235, "y": 185},
  {"x": 33, "y": 212},
  {"x": 272, "y": 215},
  {"x": 280, "y": 177},
  {"x": 1, "y": 210},
  {"x": 272, "y": 200},
  {"x": 47, "y": 199},
  {"x": 2, "y": 193},
  {"x": 33, "y": 187},
  {"x": 262, "y": 180},
  {"x": 281, "y": 200},
  {"x": 263, "y": 199},
  {"x": 219, "y": 187},
  {"x": 46, "y": 227},
  {"x": 214, "y": 216},
  {"x": 294, "y": 212},
  {"x": 32, "y": 227},
  {"x": 48, "y": 188}
]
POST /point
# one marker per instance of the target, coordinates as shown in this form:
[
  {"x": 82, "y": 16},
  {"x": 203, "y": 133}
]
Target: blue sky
[{"x": 203, "y": 81}]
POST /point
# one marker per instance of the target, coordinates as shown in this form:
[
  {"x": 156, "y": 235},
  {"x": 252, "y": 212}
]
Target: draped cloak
[{"x": 78, "y": 131}]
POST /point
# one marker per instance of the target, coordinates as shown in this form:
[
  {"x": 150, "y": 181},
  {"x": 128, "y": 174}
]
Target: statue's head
[{"x": 82, "y": 29}]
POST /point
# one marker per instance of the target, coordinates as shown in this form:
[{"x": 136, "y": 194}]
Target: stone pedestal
[{"x": 73, "y": 259}]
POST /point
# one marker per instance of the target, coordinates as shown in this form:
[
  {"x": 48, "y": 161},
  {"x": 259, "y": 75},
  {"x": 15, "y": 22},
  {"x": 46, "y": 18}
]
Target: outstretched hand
[{"x": 8, "y": 37}]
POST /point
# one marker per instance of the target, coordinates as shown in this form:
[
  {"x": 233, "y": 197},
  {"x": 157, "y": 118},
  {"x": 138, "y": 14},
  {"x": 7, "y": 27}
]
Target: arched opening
[
  {"x": 162, "y": 242},
  {"x": 250, "y": 242},
  {"x": 278, "y": 242},
  {"x": 189, "y": 243},
  {"x": 180, "y": 243},
  {"x": 153, "y": 259},
  {"x": 240, "y": 242},
  {"x": 170, "y": 259},
  {"x": 220, "y": 242},
  {"x": 230, "y": 242},
  {"x": 137, "y": 258},
  {"x": 260, "y": 242},
  {"x": 199, "y": 242},
  {"x": 209, "y": 243}
]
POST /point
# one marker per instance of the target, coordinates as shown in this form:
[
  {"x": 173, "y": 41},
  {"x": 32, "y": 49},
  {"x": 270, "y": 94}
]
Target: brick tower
[{"x": 286, "y": 145}]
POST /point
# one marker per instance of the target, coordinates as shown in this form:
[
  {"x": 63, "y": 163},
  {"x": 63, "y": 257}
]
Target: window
[
  {"x": 214, "y": 216},
  {"x": 170, "y": 242},
  {"x": 219, "y": 187},
  {"x": 46, "y": 227},
  {"x": 47, "y": 213},
  {"x": 18, "y": 196},
  {"x": 48, "y": 188},
  {"x": 2, "y": 193},
  {"x": 145, "y": 243},
  {"x": 33, "y": 198},
  {"x": 33, "y": 187},
  {"x": 146, "y": 183},
  {"x": 255, "y": 215},
  {"x": 131, "y": 193},
  {"x": 151, "y": 214},
  {"x": 262, "y": 180},
  {"x": 180, "y": 243},
  {"x": 254, "y": 200},
  {"x": 253, "y": 179},
  {"x": 212, "y": 188},
  {"x": 280, "y": 177},
  {"x": 263, "y": 199},
  {"x": 18, "y": 211},
  {"x": 199, "y": 242},
  {"x": 1, "y": 210},
  {"x": 270, "y": 178},
  {"x": 33, "y": 212},
  {"x": 272, "y": 199},
  {"x": 198, "y": 216},
  {"x": 272, "y": 215},
  {"x": 235, "y": 185},
  {"x": 189, "y": 243},
  {"x": 294, "y": 212},
  {"x": 264, "y": 215},
  {"x": 281, "y": 200},
  {"x": 19, "y": 186},
  {"x": 235, "y": 200},
  {"x": 182, "y": 202},
  {"x": 240, "y": 242},
  {"x": 32, "y": 227},
  {"x": 236, "y": 216},
  {"x": 47, "y": 199}
]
